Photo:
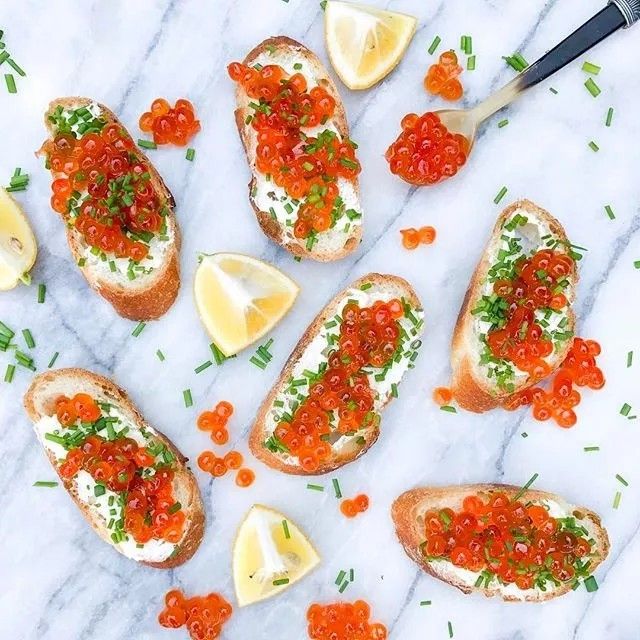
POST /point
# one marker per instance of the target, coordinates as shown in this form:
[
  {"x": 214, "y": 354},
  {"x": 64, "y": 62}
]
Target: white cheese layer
[
  {"x": 152, "y": 551},
  {"x": 317, "y": 351}
]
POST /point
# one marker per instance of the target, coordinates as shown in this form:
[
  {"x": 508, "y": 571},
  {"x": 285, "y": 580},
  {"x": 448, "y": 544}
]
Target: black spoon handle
[{"x": 617, "y": 14}]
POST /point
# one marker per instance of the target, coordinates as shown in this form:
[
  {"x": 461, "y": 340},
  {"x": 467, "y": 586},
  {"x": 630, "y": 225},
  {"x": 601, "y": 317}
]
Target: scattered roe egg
[
  {"x": 426, "y": 152},
  {"x": 351, "y": 508},
  {"x": 343, "y": 621},
  {"x": 559, "y": 400},
  {"x": 412, "y": 238},
  {"x": 170, "y": 125},
  {"x": 442, "y": 396},
  {"x": 245, "y": 477},
  {"x": 203, "y": 616},
  {"x": 442, "y": 77}
]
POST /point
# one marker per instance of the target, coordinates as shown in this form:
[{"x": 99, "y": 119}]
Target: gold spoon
[{"x": 617, "y": 14}]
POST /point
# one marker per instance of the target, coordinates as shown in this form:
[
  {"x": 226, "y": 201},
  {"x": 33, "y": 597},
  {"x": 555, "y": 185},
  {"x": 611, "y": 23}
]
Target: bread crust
[
  {"x": 134, "y": 301},
  {"x": 470, "y": 391},
  {"x": 259, "y": 431},
  {"x": 270, "y": 227},
  {"x": 39, "y": 400},
  {"x": 406, "y": 509}
]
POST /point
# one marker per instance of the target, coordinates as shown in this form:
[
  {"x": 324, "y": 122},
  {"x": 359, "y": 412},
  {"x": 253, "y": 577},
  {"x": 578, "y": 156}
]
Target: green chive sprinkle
[
  {"x": 609, "y": 210},
  {"x": 503, "y": 123},
  {"x": 285, "y": 528},
  {"x": 280, "y": 581},
  {"x": 554, "y": 91},
  {"x": 54, "y": 357},
  {"x": 448, "y": 408},
  {"x": 609, "y": 119},
  {"x": 501, "y": 194},
  {"x": 257, "y": 362},
  {"x": 187, "y": 397},
  {"x": 471, "y": 63},
  {"x": 522, "y": 491},
  {"x": 591, "y": 448},
  {"x": 524, "y": 434},
  {"x": 336, "y": 488},
  {"x": 315, "y": 487},
  {"x": 344, "y": 585},
  {"x": 425, "y": 603},
  {"x": 147, "y": 144},
  {"x": 28, "y": 338},
  {"x": 591, "y": 584},
  {"x": 616, "y": 499},
  {"x": 139, "y": 329},
  {"x": 8, "y": 376},
  {"x": 636, "y": 264},
  {"x": 588, "y": 67},
  {"x": 45, "y": 483},
  {"x": 621, "y": 480},
  {"x": 340, "y": 577},
  {"x": 191, "y": 154},
  {"x": 450, "y": 626},
  {"x": 593, "y": 146},
  {"x": 203, "y": 366},
  {"x": 42, "y": 292},
  {"x": 160, "y": 355},
  {"x": 434, "y": 45},
  {"x": 11, "y": 83},
  {"x": 629, "y": 359},
  {"x": 592, "y": 87},
  {"x": 624, "y": 411}
]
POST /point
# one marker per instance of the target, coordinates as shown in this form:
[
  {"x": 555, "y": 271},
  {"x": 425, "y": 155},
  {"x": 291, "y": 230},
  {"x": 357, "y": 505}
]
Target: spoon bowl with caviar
[{"x": 436, "y": 145}]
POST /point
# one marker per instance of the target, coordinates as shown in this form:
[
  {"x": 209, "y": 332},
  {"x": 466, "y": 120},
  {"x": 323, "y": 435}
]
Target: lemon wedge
[
  {"x": 365, "y": 43},
  {"x": 240, "y": 298},
  {"x": 18, "y": 247},
  {"x": 270, "y": 553}
]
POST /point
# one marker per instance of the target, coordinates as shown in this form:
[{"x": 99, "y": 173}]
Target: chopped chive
[
  {"x": 259, "y": 363},
  {"x": 636, "y": 264},
  {"x": 503, "y": 123},
  {"x": 591, "y": 448},
  {"x": 147, "y": 144},
  {"x": 621, "y": 480},
  {"x": 10, "y": 82},
  {"x": 160, "y": 355},
  {"x": 188, "y": 398},
  {"x": 616, "y": 499},
  {"x": 174, "y": 508},
  {"x": 218, "y": 356},
  {"x": 629, "y": 359},
  {"x": 28, "y": 338},
  {"x": 45, "y": 483},
  {"x": 610, "y": 213},
  {"x": 203, "y": 366},
  {"x": 139, "y": 329},
  {"x": 8, "y": 376},
  {"x": 609, "y": 119},
  {"x": 425, "y": 603},
  {"x": 315, "y": 487},
  {"x": 42, "y": 292},
  {"x": 344, "y": 585},
  {"x": 589, "y": 67},
  {"x": 524, "y": 434},
  {"x": 471, "y": 63},
  {"x": 522, "y": 491},
  {"x": 394, "y": 390},
  {"x": 336, "y": 488},
  {"x": 54, "y": 357},
  {"x": 624, "y": 411},
  {"x": 340, "y": 577},
  {"x": 501, "y": 194},
  {"x": 351, "y": 575},
  {"x": 591, "y": 584},
  {"x": 191, "y": 154},
  {"x": 99, "y": 490},
  {"x": 592, "y": 87},
  {"x": 593, "y": 146},
  {"x": 434, "y": 45},
  {"x": 285, "y": 528},
  {"x": 554, "y": 91},
  {"x": 448, "y": 408},
  {"x": 280, "y": 581},
  {"x": 450, "y": 627}
]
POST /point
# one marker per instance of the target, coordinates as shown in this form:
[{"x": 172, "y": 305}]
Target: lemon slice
[
  {"x": 240, "y": 298},
  {"x": 365, "y": 43},
  {"x": 17, "y": 243},
  {"x": 270, "y": 553}
]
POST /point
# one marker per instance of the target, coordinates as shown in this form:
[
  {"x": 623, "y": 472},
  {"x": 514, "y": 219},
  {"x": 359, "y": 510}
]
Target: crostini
[
  {"x": 129, "y": 481},
  {"x": 516, "y": 324},
  {"x": 324, "y": 410},
  {"x": 515, "y": 543},
  {"x": 119, "y": 214},
  {"x": 304, "y": 186}
]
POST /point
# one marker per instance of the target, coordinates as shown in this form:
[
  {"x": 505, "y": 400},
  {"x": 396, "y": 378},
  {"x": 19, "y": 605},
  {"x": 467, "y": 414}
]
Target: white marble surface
[{"x": 57, "y": 580}]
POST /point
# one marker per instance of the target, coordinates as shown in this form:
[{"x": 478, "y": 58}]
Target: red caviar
[
  {"x": 351, "y": 508},
  {"x": 442, "y": 396},
  {"x": 204, "y": 616},
  {"x": 442, "y": 78},
  {"x": 141, "y": 475},
  {"x": 411, "y": 237},
  {"x": 216, "y": 420},
  {"x": 579, "y": 368},
  {"x": 343, "y": 621},
  {"x": 102, "y": 186},
  {"x": 245, "y": 477},
  {"x": 306, "y": 167},
  {"x": 369, "y": 337},
  {"x": 426, "y": 152},
  {"x": 538, "y": 283},
  {"x": 175, "y": 125},
  {"x": 233, "y": 460},
  {"x": 514, "y": 541}
]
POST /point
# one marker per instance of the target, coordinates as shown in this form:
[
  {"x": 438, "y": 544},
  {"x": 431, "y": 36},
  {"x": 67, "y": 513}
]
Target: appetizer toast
[
  {"x": 129, "y": 481},
  {"x": 318, "y": 152},
  {"x": 324, "y": 410},
  {"x": 507, "y": 337},
  {"x": 556, "y": 544},
  {"x": 119, "y": 214}
]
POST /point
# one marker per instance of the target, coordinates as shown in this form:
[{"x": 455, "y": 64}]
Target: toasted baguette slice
[
  {"x": 472, "y": 387},
  {"x": 408, "y": 512},
  {"x": 265, "y": 196},
  {"x": 39, "y": 402},
  {"x": 311, "y": 350},
  {"x": 149, "y": 295}
]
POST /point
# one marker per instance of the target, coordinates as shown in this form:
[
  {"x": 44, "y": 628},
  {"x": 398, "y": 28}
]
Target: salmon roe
[
  {"x": 351, "y": 508},
  {"x": 245, "y": 478},
  {"x": 141, "y": 475},
  {"x": 412, "y": 238},
  {"x": 558, "y": 402},
  {"x": 509, "y": 540},
  {"x": 426, "y": 152},
  {"x": 442, "y": 78},
  {"x": 369, "y": 337},
  {"x": 442, "y": 396},
  {"x": 538, "y": 283},
  {"x": 216, "y": 420},
  {"x": 203, "y": 616},
  {"x": 308, "y": 168},
  {"x": 343, "y": 621},
  {"x": 102, "y": 186},
  {"x": 170, "y": 125}
]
